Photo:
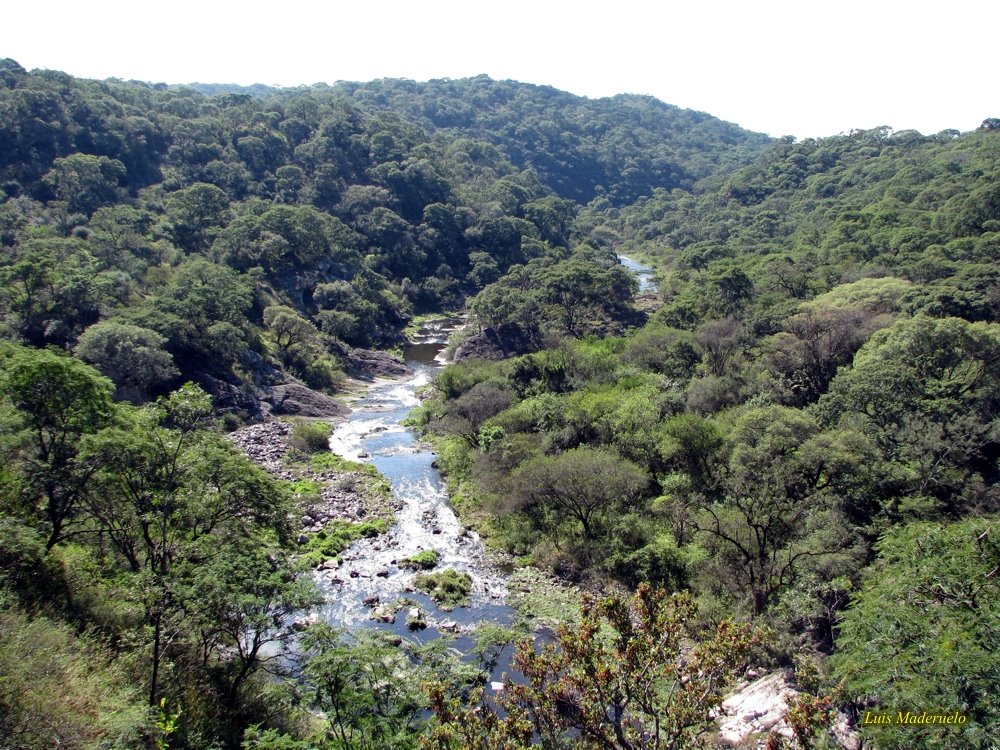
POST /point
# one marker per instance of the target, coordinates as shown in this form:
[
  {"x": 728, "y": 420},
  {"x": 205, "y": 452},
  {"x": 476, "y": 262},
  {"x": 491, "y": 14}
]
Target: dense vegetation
[
  {"x": 810, "y": 410},
  {"x": 193, "y": 229},
  {"x": 799, "y": 431}
]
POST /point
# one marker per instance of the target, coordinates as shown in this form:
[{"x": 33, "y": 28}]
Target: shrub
[
  {"x": 448, "y": 588},
  {"x": 423, "y": 560},
  {"x": 310, "y": 437}
]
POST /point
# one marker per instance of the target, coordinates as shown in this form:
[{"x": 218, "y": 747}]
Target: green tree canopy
[
  {"x": 924, "y": 634},
  {"x": 133, "y": 357},
  {"x": 587, "y": 485},
  {"x": 57, "y": 399}
]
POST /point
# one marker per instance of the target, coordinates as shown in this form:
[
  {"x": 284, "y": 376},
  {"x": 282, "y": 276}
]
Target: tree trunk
[{"x": 157, "y": 629}]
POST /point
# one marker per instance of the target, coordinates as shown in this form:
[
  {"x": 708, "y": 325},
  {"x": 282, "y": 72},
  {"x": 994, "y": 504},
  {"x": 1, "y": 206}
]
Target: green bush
[
  {"x": 310, "y": 437},
  {"x": 448, "y": 587},
  {"x": 337, "y": 536},
  {"x": 423, "y": 560},
  {"x": 322, "y": 373}
]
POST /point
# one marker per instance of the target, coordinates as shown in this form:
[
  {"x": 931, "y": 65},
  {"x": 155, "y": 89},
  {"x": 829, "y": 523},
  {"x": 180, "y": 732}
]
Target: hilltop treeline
[
  {"x": 154, "y": 235},
  {"x": 173, "y": 220}
]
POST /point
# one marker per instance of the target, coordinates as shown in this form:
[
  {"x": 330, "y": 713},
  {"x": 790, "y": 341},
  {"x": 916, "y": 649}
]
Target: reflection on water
[{"x": 642, "y": 272}]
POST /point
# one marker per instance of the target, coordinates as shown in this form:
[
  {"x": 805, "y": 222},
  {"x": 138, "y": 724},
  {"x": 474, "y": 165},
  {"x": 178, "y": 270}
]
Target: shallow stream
[
  {"x": 375, "y": 434},
  {"x": 371, "y": 568},
  {"x": 642, "y": 272}
]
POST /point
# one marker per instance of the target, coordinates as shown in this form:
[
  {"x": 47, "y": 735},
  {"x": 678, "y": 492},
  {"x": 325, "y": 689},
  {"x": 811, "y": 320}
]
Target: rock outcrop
[
  {"x": 758, "y": 708},
  {"x": 269, "y": 392},
  {"x": 295, "y": 399},
  {"x": 508, "y": 340},
  {"x": 367, "y": 365},
  {"x": 246, "y": 400},
  {"x": 340, "y": 495}
]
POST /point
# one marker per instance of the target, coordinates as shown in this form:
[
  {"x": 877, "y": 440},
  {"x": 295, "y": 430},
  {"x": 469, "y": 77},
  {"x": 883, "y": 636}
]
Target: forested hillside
[
  {"x": 193, "y": 229},
  {"x": 798, "y": 431},
  {"x": 803, "y": 432}
]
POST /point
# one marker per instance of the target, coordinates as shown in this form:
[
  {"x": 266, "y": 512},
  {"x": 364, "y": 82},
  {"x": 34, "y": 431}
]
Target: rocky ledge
[
  {"x": 260, "y": 402},
  {"x": 295, "y": 399},
  {"x": 366, "y": 364},
  {"x": 507, "y": 340}
]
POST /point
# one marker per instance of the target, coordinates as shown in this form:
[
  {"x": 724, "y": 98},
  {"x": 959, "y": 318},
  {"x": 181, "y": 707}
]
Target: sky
[{"x": 809, "y": 68}]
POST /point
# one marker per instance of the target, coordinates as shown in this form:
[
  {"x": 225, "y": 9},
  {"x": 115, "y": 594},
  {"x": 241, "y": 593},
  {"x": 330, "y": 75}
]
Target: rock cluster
[
  {"x": 338, "y": 499},
  {"x": 265, "y": 444},
  {"x": 341, "y": 494}
]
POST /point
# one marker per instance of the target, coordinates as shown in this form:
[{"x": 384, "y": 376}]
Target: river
[
  {"x": 642, "y": 272},
  {"x": 375, "y": 433},
  {"x": 370, "y": 568}
]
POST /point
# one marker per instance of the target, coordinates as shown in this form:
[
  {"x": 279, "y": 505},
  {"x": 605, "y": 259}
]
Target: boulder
[
  {"x": 508, "y": 340},
  {"x": 368, "y": 364},
  {"x": 295, "y": 399},
  {"x": 757, "y": 708},
  {"x": 415, "y": 619}
]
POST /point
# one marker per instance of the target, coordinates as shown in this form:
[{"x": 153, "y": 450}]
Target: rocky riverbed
[
  {"x": 266, "y": 444},
  {"x": 375, "y": 503},
  {"x": 376, "y": 579},
  {"x": 325, "y": 494}
]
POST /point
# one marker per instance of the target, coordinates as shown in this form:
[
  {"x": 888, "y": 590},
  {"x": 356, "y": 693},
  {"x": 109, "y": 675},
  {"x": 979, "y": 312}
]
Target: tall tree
[
  {"x": 143, "y": 466},
  {"x": 586, "y": 485},
  {"x": 57, "y": 399}
]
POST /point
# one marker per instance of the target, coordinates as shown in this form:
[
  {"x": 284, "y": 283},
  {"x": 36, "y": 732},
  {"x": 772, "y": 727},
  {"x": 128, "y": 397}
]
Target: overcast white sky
[{"x": 805, "y": 68}]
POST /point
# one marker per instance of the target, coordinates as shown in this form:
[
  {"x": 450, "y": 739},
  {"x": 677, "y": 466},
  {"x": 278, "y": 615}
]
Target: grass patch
[
  {"x": 329, "y": 461},
  {"x": 61, "y": 688},
  {"x": 304, "y": 487},
  {"x": 541, "y": 599},
  {"x": 423, "y": 560},
  {"x": 337, "y": 536},
  {"x": 448, "y": 587}
]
